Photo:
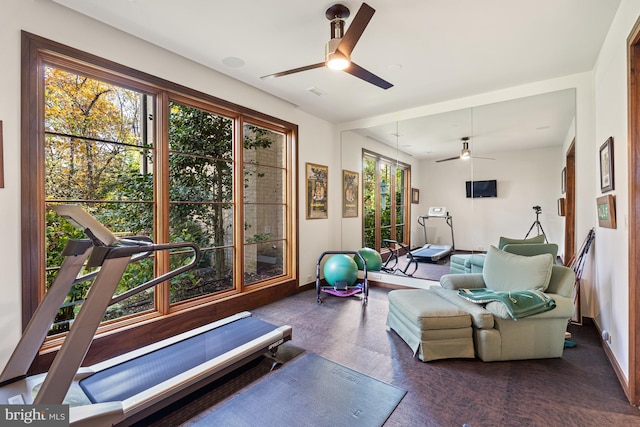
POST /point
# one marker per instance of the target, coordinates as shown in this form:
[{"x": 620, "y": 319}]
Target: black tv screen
[{"x": 488, "y": 188}]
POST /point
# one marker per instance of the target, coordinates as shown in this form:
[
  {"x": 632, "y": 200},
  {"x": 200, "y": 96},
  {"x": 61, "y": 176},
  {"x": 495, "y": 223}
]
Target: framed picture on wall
[
  {"x": 606, "y": 211},
  {"x": 606, "y": 165},
  {"x": 317, "y": 180},
  {"x": 561, "y": 206},
  {"x": 415, "y": 195},
  {"x": 349, "y": 194}
]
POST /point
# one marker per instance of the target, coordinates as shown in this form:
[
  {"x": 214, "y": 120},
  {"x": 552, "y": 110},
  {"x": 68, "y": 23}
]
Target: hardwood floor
[{"x": 579, "y": 389}]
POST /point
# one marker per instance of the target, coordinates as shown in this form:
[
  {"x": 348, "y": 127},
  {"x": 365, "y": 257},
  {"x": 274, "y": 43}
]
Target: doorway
[
  {"x": 570, "y": 204},
  {"x": 633, "y": 43}
]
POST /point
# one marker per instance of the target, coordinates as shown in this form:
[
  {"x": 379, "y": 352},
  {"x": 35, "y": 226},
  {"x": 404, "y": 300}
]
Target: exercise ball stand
[{"x": 343, "y": 290}]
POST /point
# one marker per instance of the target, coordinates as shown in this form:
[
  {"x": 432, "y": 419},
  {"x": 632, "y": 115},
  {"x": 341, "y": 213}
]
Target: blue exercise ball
[
  {"x": 371, "y": 257},
  {"x": 340, "y": 268}
]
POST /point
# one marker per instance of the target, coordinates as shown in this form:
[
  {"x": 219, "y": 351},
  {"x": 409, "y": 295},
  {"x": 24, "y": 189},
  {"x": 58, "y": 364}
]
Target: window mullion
[
  {"x": 161, "y": 165},
  {"x": 238, "y": 201}
]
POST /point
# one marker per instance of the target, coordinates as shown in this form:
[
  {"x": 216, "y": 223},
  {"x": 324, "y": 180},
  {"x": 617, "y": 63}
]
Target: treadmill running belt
[
  {"x": 129, "y": 378},
  {"x": 426, "y": 253}
]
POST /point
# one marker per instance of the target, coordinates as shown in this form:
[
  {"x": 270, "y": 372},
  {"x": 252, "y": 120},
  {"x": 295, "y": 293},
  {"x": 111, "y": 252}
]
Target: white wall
[
  {"x": 525, "y": 179},
  {"x": 317, "y": 140},
  {"x": 609, "y": 294}
]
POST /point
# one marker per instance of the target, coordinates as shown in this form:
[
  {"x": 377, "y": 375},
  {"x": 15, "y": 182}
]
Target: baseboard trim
[{"x": 614, "y": 363}]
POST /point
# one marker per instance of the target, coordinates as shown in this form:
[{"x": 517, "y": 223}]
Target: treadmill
[
  {"x": 129, "y": 387},
  {"x": 434, "y": 252}
]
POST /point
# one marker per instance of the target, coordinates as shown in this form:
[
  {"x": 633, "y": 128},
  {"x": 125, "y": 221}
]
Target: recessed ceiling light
[
  {"x": 395, "y": 67},
  {"x": 233, "y": 62},
  {"x": 543, "y": 127}
]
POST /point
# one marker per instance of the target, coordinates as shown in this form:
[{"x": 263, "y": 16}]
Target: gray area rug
[
  {"x": 426, "y": 270},
  {"x": 308, "y": 391}
]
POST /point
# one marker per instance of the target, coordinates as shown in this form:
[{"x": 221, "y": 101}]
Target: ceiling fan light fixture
[
  {"x": 338, "y": 49},
  {"x": 465, "y": 153},
  {"x": 335, "y": 59}
]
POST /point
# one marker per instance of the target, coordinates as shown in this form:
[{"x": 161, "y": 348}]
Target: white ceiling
[
  {"x": 431, "y": 50},
  {"x": 520, "y": 124}
]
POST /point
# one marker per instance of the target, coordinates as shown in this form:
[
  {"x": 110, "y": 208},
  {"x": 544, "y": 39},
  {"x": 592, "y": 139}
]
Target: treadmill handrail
[
  {"x": 164, "y": 277},
  {"x": 112, "y": 259},
  {"x": 449, "y": 220}
]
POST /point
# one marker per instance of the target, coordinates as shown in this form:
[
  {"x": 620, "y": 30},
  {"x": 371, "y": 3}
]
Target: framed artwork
[
  {"x": 606, "y": 211},
  {"x": 563, "y": 180},
  {"x": 606, "y": 165},
  {"x": 349, "y": 194},
  {"x": 317, "y": 179},
  {"x": 415, "y": 195},
  {"x": 561, "y": 206}
]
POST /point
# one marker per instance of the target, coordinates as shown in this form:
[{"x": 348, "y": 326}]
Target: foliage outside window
[
  {"x": 95, "y": 155},
  {"x": 385, "y": 184},
  {"x": 217, "y": 177}
]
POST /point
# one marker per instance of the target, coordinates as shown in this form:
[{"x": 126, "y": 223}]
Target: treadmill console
[
  {"x": 437, "y": 211},
  {"x": 83, "y": 220}
]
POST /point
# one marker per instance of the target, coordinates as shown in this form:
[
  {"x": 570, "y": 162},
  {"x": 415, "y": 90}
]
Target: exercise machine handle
[{"x": 164, "y": 277}]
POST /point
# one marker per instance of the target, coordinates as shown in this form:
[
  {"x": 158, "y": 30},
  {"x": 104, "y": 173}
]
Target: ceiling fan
[
  {"x": 338, "y": 49},
  {"x": 465, "y": 153}
]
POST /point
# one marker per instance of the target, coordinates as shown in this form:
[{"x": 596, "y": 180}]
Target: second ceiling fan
[
  {"x": 338, "y": 49},
  {"x": 465, "y": 153}
]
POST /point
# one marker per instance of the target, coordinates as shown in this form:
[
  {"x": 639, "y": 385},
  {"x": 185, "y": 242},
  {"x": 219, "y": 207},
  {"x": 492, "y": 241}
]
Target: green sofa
[
  {"x": 474, "y": 263},
  {"x": 496, "y": 335}
]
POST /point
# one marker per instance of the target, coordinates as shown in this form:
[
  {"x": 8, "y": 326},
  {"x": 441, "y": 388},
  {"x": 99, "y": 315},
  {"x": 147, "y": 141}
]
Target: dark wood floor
[{"x": 579, "y": 389}]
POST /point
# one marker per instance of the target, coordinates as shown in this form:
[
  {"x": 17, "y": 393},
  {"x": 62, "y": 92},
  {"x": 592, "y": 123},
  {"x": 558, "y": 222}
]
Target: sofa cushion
[
  {"x": 426, "y": 310},
  {"x": 504, "y": 271},
  {"x": 480, "y": 318},
  {"x": 507, "y": 241}
]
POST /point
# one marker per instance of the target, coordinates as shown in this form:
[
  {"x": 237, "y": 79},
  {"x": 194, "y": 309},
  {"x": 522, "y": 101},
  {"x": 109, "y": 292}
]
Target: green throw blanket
[{"x": 519, "y": 304}]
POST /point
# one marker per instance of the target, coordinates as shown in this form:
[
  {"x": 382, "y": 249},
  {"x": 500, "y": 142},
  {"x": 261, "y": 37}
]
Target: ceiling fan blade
[
  {"x": 446, "y": 160},
  {"x": 357, "y": 71},
  {"x": 483, "y": 158},
  {"x": 356, "y": 28},
  {"x": 293, "y": 71}
]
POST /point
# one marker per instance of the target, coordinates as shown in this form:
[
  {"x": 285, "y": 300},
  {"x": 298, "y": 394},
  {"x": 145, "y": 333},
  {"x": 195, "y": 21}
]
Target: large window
[
  {"x": 149, "y": 157},
  {"x": 96, "y": 154},
  {"x": 386, "y": 212}
]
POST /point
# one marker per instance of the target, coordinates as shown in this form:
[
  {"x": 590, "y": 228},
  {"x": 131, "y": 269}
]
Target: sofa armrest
[
  {"x": 562, "y": 281},
  {"x": 564, "y": 308},
  {"x": 462, "y": 281}
]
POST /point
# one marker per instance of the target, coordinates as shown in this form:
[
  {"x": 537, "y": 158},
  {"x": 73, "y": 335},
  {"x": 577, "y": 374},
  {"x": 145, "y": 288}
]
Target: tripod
[{"x": 537, "y": 225}]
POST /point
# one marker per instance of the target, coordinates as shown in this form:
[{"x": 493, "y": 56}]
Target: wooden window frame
[
  {"x": 166, "y": 321},
  {"x": 394, "y": 165}
]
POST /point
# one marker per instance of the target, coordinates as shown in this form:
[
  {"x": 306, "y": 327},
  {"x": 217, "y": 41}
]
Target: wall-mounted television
[{"x": 488, "y": 188}]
